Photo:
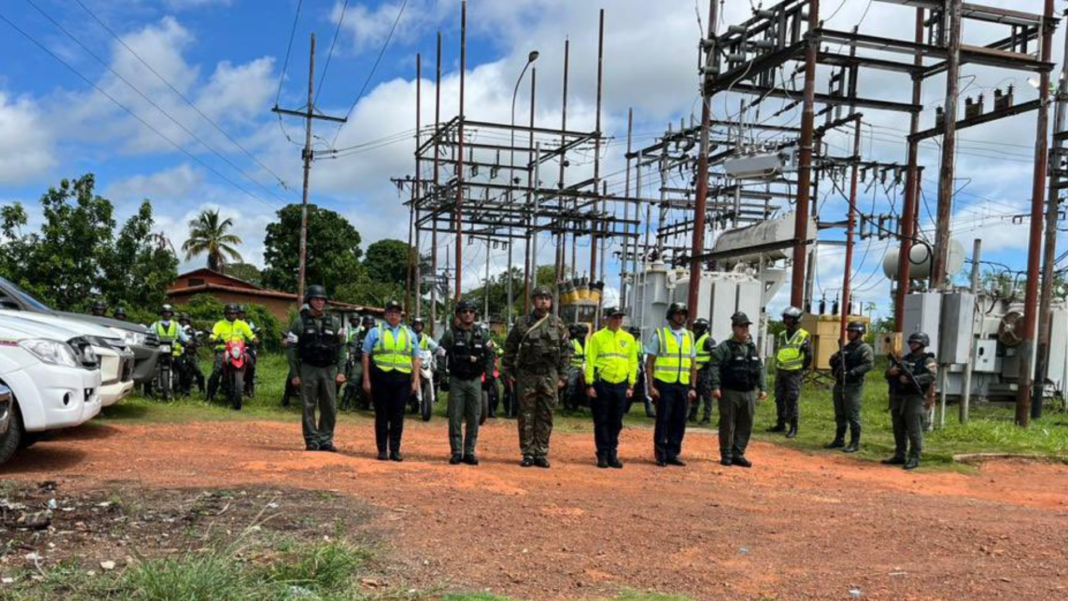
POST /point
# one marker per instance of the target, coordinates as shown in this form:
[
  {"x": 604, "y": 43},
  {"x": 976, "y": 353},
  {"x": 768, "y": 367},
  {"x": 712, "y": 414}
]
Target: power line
[
  {"x": 374, "y": 68},
  {"x": 150, "y": 101},
  {"x": 131, "y": 113},
  {"x": 281, "y": 181},
  {"x": 330, "y": 53},
  {"x": 289, "y": 49}
]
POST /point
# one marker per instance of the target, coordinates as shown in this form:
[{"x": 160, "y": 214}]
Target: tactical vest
[
  {"x": 539, "y": 350},
  {"x": 578, "y": 355},
  {"x": 917, "y": 364},
  {"x": 319, "y": 342},
  {"x": 391, "y": 354},
  {"x": 790, "y": 357},
  {"x": 741, "y": 371},
  {"x": 849, "y": 359},
  {"x": 673, "y": 361},
  {"x": 467, "y": 360},
  {"x": 704, "y": 353}
]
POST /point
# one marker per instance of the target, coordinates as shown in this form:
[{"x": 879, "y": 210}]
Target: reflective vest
[
  {"x": 704, "y": 354},
  {"x": 613, "y": 357},
  {"x": 790, "y": 357},
  {"x": 393, "y": 354},
  {"x": 169, "y": 334},
  {"x": 672, "y": 360},
  {"x": 424, "y": 342},
  {"x": 578, "y": 356}
]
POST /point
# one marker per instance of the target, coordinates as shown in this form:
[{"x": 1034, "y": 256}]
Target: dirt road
[{"x": 794, "y": 527}]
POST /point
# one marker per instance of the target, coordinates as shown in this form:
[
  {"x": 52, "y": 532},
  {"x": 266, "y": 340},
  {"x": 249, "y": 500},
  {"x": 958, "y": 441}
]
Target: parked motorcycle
[
  {"x": 423, "y": 403},
  {"x": 166, "y": 380}
]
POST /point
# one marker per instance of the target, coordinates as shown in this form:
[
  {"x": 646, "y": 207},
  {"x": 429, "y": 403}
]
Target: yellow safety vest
[
  {"x": 613, "y": 358},
  {"x": 578, "y": 357},
  {"x": 790, "y": 357},
  {"x": 704, "y": 355},
  {"x": 170, "y": 335},
  {"x": 391, "y": 353},
  {"x": 673, "y": 361}
]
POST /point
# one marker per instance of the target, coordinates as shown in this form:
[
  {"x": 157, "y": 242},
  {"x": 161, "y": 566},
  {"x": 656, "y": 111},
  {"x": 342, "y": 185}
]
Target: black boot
[
  {"x": 780, "y": 426},
  {"x": 602, "y": 461},
  {"x": 839, "y": 439},
  {"x": 793, "y": 429},
  {"x": 613, "y": 460},
  {"x": 854, "y": 442}
]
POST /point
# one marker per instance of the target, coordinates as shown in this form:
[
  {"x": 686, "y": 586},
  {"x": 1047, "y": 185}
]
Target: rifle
[{"x": 896, "y": 362}]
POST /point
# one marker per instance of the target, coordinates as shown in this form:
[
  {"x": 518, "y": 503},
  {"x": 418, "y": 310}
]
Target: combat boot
[
  {"x": 528, "y": 461},
  {"x": 613, "y": 461},
  {"x": 793, "y": 429},
  {"x": 839, "y": 439},
  {"x": 854, "y": 442},
  {"x": 541, "y": 462},
  {"x": 895, "y": 460},
  {"x": 912, "y": 463},
  {"x": 780, "y": 426},
  {"x": 602, "y": 461}
]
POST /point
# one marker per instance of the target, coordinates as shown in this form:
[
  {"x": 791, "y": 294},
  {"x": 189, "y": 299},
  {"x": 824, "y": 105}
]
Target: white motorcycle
[{"x": 423, "y": 403}]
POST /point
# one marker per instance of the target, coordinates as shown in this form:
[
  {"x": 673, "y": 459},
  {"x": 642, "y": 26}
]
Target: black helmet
[
  {"x": 315, "y": 291},
  {"x": 634, "y": 331},
  {"x": 573, "y": 330},
  {"x": 919, "y": 337},
  {"x": 394, "y": 306},
  {"x": 791, "y": 313},
  {"x": 165, "y": 309},
  {"x": 418, "y": 321},
  {"x": 541, "y": 291},
  {"x": 677, "y": 308},
  {"x": 99, "y": 305},
  {"x": 120, "y": 312},
  {"x": 465, "y": 305},
  {"x": 368, "y": 320},
  {"x": 184, "y": 317},
  {"x": 857, "y": 326},
  {"x": 354, "y": 319},
  {"x": 242, "y": 309},
  {"x": 230, "y": 308},
  {"x": 740, "y": 319},
  {"x": 700, "y": 325}
]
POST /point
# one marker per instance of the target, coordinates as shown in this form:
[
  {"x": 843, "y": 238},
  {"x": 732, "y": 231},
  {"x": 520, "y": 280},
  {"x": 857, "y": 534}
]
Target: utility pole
[
  {"x": 1053, "y": 203},
  {"x": 804, "y": 167},
  {"x": 697, "y": 248},
  {"x": 309, "y": 115},
  {"x": 912, "y": 188},
  {"x": 947, "y": 171},
  {"x": 486, "y": 284}
]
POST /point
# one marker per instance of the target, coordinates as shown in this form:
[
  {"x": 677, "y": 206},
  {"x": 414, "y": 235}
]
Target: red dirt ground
[{"x": 796, "y": 526}]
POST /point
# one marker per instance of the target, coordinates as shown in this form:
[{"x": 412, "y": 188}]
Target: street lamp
[{"x": 533, "y": 56}]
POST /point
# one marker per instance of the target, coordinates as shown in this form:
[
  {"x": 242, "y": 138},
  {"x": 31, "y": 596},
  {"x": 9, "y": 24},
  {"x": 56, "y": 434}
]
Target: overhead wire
[{"x": 330, "y": 53}]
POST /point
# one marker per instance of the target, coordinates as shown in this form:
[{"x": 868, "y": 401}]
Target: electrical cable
[{"x": 330, "y": 53}]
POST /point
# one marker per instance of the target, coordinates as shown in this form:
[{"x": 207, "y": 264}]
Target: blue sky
[{"x": 226, "y": 56}]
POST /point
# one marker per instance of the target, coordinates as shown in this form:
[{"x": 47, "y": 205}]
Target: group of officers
[{"x": 683, "y": 369}]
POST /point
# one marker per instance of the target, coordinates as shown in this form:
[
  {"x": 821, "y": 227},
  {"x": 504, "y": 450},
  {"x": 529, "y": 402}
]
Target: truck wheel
[{"x": 12, "y": 439}]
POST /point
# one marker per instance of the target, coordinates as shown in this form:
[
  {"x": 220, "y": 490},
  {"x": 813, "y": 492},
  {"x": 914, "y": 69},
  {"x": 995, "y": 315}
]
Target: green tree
[
  {"x": 209, "y": 235},
  {"x": 142, "y": 266},
  {"x": 246, "y": 272},
  {"x": 387, "y": 261},
  {"x": 333, "y": 249}
]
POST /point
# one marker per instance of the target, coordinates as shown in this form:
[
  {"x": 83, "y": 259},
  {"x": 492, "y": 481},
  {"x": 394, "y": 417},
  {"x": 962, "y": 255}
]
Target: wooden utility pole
[
  {"x": 309, "y": 115},
  {"x": 947, "y": 169}
]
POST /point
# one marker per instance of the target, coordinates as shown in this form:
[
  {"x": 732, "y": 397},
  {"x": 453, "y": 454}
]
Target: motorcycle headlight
[
  {"x": 235, "y": 352},
  {"x": 52, "y": 352}
]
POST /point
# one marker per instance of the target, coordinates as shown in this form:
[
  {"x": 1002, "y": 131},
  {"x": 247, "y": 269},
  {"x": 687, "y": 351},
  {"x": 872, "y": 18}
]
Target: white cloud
[
  {"x": 26, "y": 145},
  {"x": 171, "y": 184}
]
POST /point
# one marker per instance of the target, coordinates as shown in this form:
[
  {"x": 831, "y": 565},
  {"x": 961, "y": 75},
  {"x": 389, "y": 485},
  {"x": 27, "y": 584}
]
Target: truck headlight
[
  {"x": 52, "y": 352},
  {"x": 131, "y": 338}
]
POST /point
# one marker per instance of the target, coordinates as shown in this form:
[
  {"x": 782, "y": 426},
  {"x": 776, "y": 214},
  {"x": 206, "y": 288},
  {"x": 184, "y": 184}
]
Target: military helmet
[
  {"x": 242, "y": 308},
  {"x": 418, "y": 321},
  {"x": 368, "y": 320},
  {"x": 314, "y": 291},
  {"x": 677, "y": 308},
  {"x": 857, "y": 326},
  {"x": 394, "y": 306},
  {"x": 465, "y": 305},
  {"x": 166, "y": 309},
  {"x": 634, "y": 331},
  {"x": 541, "y": 291},
  {"x": 120, "y": 311},
  {"x": 700, "y": 325},
  {"x": 100, "y": 305},
  {"x": 740, "y": 319},
  {"x": 354, "y": 319},
  {"x": 920, "y": 338},
  {"x": 230, "y": 308},
  {"x": 184, "y": 317},
  {"x": 791, "y": 313},
  {"x": 573, "y": 330},
  {"x": 582, "y": 329}
]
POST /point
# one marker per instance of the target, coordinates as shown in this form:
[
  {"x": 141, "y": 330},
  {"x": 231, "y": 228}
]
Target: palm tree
[{"x": 208, "y": 235}]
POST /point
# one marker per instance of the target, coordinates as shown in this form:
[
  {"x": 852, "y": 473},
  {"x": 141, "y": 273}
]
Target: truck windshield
[{"x": 20, "y": 295}]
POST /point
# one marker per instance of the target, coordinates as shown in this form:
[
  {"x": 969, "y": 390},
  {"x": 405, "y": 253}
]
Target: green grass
[{"x": 991, "y": 429}]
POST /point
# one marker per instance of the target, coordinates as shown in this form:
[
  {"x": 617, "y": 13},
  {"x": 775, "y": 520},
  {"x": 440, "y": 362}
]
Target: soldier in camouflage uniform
[
  {"x": 908, "y": 394},
  {"x": 317, "y": 357},
  {"x": 536, "y": 356},
  {"x": 849, "y": 365}
]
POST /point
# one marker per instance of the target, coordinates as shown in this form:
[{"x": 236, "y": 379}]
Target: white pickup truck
[
  {"x": 115, "y": 359},
  {"x": 54, "y": 382}
]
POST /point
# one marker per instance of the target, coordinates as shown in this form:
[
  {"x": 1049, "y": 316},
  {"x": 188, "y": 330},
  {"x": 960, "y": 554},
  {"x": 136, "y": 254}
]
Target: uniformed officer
[
  {"x": 705, "y": 344},
  {"x": 572, "y": 394},
  {"x": 611, "y": 373},
  {"x": 737, "y": 383},
  {"x": 290, "y": 389},
  {"x": 423, "y": 341},
  {"x": 671, "y": 352},
  {"x": 225, "y": 330},
  {"x": 849, "y": 366},
  {"x": 390, "y": 375},
  {"x": 317, "y": 357},
  {"x": 99, "y": 308},
  {"x": 792, "y": 359},
  {"x": 120, "y": 314},
  {"x": 470, "y": 353},
  {"x": 536, "y": 356},
  {"x": 189, "y": 369},
  {"x": 909, "y": 384}
]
